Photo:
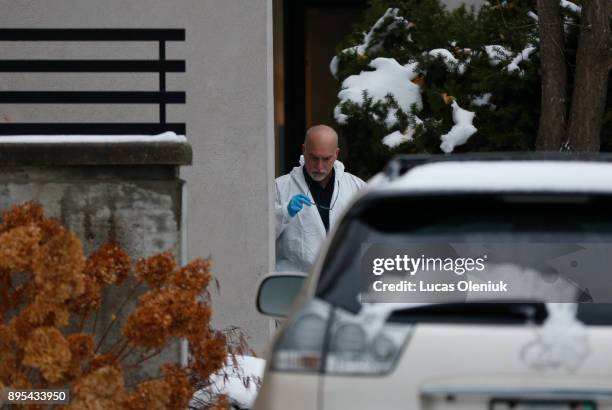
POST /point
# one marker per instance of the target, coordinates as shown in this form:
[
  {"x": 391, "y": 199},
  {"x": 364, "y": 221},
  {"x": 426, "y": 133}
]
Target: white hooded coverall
[{"x": 298, "y": 239}]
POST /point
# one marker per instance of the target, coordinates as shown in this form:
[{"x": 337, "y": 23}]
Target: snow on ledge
[{"x": 92, "y": 139}]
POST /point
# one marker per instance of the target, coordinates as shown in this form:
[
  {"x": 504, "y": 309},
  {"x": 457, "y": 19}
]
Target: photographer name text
[{"x": 421, "y": 286}]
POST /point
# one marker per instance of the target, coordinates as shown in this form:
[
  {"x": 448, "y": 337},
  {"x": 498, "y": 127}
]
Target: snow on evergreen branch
[{"x": 372, "y": 40}]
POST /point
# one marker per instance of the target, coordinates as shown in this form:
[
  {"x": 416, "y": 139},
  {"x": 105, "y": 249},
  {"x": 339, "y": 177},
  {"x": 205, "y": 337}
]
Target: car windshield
[{"x": 569, "y": 230}]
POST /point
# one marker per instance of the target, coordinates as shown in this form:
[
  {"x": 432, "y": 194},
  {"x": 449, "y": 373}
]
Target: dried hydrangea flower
[
  {"x": 181, "y": 389},
  {"x": 193, "y": 277},
  {"x": 165, "y": 313},
  {"x": 100, "y": 389},
  {"x": 41, "y": 312},
  {"x": 18, "y": 246},
  {"x": 208, "y": 354},
  {"x": 20, "y": 382},
  {"x": 149, "y": 395},
  {"x": 60, "y": 257},
  {"x": 89, "y": 301},
  {"x": 156, "y": 270},
  {"x": 103, "y": 360},
  {"x": 24, "y": 214},
  {"x": 108, "y": 265},
  {"x": 48, "y": 350},
  {"x": 148, "y": 327},
  {"x": 9, "y": 352},
  {"x": 82, "y": 350}
]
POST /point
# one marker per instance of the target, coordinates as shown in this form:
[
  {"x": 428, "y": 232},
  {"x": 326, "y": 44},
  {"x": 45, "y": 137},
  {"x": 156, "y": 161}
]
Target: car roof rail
[{"x": 401, "y": 164}]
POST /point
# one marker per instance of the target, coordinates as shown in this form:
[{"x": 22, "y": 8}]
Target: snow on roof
[
  {"x": 92, "y": 139},
  {"x": 496, "y": 176}
]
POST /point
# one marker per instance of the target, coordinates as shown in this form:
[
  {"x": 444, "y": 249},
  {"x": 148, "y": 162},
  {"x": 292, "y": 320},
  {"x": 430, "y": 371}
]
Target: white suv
[{"x": 335, "y": 351}]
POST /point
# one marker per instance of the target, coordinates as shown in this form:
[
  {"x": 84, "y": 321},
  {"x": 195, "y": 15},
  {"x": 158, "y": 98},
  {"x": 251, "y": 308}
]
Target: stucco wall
[{"x": 228, "y": 115}]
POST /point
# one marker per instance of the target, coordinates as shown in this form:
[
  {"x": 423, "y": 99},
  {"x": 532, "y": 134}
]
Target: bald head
[
  {"x": 320, "y": 151},
  {"x": 321, "y": 134}
]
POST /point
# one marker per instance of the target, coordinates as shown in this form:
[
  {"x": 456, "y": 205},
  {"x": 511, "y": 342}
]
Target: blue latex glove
[{"x": 296, "y": 203}]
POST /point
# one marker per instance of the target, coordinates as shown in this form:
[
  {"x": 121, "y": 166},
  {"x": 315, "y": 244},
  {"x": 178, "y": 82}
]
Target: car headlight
[{"x": 323, "y": 339}]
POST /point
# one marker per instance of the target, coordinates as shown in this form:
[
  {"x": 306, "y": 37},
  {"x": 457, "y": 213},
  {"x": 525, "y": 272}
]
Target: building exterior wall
[{"x": 228, "y": 116}]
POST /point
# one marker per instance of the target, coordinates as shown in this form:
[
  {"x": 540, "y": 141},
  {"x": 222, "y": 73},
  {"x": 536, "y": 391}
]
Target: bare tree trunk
[
  {"x": 593, "y": 63},
  {"x": 551, "y": 131}
]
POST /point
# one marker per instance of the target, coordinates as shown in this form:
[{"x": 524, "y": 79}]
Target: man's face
[{"x": 320, "y": 153}]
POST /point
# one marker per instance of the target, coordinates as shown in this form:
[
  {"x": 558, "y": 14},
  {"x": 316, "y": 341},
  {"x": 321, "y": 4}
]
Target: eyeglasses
[{"x": 322, "y": 206}]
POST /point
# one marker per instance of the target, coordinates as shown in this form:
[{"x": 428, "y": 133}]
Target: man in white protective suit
[{"x": 310, "y": 199}]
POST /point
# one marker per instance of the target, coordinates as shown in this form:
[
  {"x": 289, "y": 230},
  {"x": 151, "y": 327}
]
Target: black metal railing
[{"x": 160, "y": 97}]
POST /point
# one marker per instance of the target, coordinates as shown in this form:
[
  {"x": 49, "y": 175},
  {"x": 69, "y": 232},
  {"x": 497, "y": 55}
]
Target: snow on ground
[
  {"x": 91, "y": 139},
  {"x": 461, "y": 131},
  {"x": 388, "y": 77},
  {"x": 234, "y": 387}
]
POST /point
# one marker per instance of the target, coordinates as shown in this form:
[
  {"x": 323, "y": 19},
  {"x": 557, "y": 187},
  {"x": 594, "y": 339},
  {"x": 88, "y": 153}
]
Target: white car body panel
[
  {"x": 283, "y": 391},
  {"x": 456, "y": 357},
  {"x": 419, "y": 378}
]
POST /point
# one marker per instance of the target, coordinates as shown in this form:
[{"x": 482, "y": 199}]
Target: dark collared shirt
[{"x": 322, "y": 196}]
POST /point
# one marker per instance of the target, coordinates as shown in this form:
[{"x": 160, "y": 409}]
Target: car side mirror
[{"x": 277, "y": 293}]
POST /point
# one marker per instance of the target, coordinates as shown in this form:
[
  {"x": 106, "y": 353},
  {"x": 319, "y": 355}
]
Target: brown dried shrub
[{"x": 50, "y": 295}]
